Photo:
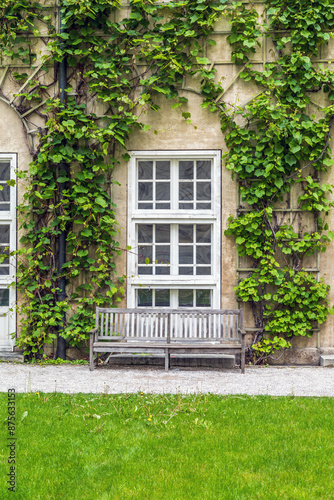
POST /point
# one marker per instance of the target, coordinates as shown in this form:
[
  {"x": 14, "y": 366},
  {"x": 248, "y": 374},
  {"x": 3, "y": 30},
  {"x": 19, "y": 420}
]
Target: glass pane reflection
[
  {"x": 203, "y": 254},
  {"x": 144, "y": 298},
  {"x": 186, "y": 233},
  {"x": 186, "y": 191},
  {"x": 204, "y": 191},
  {"x": 203, "y": 169},
  {"x": 145, "y": 233},
  {"x": 162, "y": 191},
  {"x": 203, "y": 298},
  {"x": 145, "y": 191},
  {"x": 186, "y": 170},
  {"x": 162, "y": 233},
  {"x": 4, "y": 297},
  {"x": 203, "y": 233},
  {"x": 186, "y": 298},
  {"x": 163, "y": 170},
  {"x": 145, "y": 170},
  {"x": 4, "y": 171},
  {"x": 162, "y": 298},
  {"x": 4, "y": 233}
]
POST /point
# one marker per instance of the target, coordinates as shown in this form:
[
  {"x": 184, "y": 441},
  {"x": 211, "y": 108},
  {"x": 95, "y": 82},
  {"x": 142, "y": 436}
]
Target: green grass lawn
[{"x": 169, "y": 447}]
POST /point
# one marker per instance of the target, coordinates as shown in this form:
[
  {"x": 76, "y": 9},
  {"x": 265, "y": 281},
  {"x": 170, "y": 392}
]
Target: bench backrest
[{"x": 169, "y": 324}]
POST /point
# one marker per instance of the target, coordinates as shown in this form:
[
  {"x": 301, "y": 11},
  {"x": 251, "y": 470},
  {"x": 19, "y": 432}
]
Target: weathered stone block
[
  {"x": 297, "y": 356},
  {"x": 327, "y": 360},
  {"x": 11, "y": 356}
]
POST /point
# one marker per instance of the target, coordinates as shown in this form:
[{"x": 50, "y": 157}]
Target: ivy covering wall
[{"x": 274, "y": 144}]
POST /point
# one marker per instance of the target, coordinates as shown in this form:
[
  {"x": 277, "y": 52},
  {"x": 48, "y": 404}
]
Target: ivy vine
[{"x": 282, "y": 146}]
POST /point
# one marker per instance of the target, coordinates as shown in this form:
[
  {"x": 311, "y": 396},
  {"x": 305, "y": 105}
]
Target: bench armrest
[
  {"x": 243, "y": 350},
  {"x": 92, "y": 337},
  {"x": 93, "y": 333}
]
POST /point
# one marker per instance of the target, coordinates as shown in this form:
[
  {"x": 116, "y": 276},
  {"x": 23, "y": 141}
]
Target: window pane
[
  {"x": 144, "y": 298},
  {"x": 4, "y": 233},
  {"x": 162, "y": 233},
  {"x": 162, "y": 254},
  {"x": 186, "y": 170},
  {"x": 203, "y": 271},
  {"x": 145, "y": 191},
  {"x": 145, "y": 233},
  {"x": 162, "y": 191},
  {"x": 163, "y": 170},
  {"x": 4, "y": 171},
  {"x": 4, "y": 251},
  {"x": 203, "y": 233},
  {"x": 162, "y": 206},
  {"x": 4, "y": 270},
  {"x": 4, "y": 297},
  {"x": 186, "y": 206},
  {"x": 203, "y": 298},
  {"x": 186, "y": 191},
  {"x": 186, "y": 298},
  {"x": 162, "y": 270},
  {"x": 183, "y": 271},
  {"x": 204, "y": 191},
  {"x": 145, "y": 270},
  {"x": 203, "y": 169},
  {"x": 186, "y": 255},
  {"x": 4, "y": 193},
  {"x": 203, "y": 255},
  {"x": 186, "y": 233},
  {"x": 162, "y": 298},
  {"x": 144, "y": 253},
  {"x": 203, "y": 206},
  {"x": 145, "y": 206},
  {"x": 145, "y": 170}
]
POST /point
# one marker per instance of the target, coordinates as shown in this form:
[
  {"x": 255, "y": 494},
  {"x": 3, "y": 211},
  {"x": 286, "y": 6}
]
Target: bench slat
[
  {"x": 164, "y": 344},
  {"x": 166, "y": 310}
]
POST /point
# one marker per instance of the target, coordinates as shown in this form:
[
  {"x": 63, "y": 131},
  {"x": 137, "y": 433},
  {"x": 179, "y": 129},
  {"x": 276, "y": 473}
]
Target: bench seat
[{"x": 168, "y": 331}]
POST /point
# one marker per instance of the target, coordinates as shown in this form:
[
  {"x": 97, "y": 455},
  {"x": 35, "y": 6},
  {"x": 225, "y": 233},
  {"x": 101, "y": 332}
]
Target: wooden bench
[{"x": 166, "y": 331}]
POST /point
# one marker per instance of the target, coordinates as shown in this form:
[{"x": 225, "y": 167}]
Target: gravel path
[{"x": 275, "y": 381}]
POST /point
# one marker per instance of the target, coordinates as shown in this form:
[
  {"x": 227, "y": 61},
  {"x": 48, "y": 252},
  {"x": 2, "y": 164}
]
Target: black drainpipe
[{"x": 63, "y": 171}]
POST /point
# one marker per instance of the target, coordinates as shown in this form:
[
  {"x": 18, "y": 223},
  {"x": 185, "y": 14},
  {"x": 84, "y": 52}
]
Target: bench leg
[
  {"x": 167, "y": 360},
  {"x": 243, "y": 353},
  {"x": 91, "y": 353}
]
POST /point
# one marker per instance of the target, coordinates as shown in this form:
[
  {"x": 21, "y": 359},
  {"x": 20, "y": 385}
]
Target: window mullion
[
  {"x": 173, "y": 298},
  {"x": 194, "y": 252},
  {"x": 174, "y": 250},
  {"x": 174, "y": 188},
  {"x": 154, "y": 186}
]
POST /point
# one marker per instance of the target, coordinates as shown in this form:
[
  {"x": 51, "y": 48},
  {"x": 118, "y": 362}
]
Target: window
[
  {"x": 174, "y": 229},
  {"x": 7, "y": 245},
  {"x": 7, "y": 221}
]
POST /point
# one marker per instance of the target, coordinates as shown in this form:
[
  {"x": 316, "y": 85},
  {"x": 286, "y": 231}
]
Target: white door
[{"x": 7, "y": 245}]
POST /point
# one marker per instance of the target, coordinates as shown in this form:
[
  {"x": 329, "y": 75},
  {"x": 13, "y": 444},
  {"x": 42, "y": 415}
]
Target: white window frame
[
  {"x": 9, "y": 217},
  {"x": 172, "y": 216}
]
